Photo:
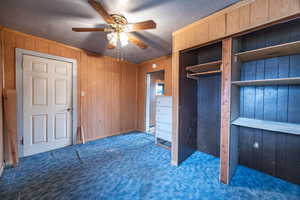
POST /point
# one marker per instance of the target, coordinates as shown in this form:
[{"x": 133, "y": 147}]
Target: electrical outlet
[{"x": 256, "y": 145}]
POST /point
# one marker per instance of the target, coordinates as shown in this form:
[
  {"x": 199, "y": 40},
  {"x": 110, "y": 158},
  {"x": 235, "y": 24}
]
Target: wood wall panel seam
[{"x": 1, "y": 100}]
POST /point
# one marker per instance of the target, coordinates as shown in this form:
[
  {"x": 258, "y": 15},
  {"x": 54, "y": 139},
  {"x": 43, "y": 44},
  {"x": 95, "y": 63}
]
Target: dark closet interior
[
  {"x": 200, "y": 100},
  {"x": 265, "y": 101},
  {"x": 269, "y": 116}
]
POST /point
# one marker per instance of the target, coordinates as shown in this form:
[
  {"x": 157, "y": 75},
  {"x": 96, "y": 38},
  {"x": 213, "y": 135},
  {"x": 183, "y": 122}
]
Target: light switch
[{"x": 82, "y": 93}]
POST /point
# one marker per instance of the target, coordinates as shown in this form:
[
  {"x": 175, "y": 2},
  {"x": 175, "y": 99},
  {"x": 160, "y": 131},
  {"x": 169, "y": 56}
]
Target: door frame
[
  {"x": 147, "y": 102},
  {"x": 19, "y": 92},
  {"x": 147, "y": 107}
]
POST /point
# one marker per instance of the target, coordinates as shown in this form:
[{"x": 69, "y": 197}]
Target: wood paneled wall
[
  {"x": 110, "y": 104},
  {"x": 242, "y": 16},
  {"x": 1, "y": 105},
  {"x": 163, "y": 63},
  {"x": 110, "y": 86}
]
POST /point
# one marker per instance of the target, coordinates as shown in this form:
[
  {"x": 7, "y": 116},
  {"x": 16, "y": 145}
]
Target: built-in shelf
[
  {"x": 282, "y": 127},
  {"x": 268, "y": 52},
  {"x": 277, "y": 81},
  {"x": 195, "y": 75},
  {"x": 205, "y": 67}
]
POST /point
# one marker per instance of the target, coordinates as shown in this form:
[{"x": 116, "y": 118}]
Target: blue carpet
[{"x": 131, "y": 167}]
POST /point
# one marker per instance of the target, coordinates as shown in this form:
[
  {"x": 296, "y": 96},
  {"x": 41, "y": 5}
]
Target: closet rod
[{"x": 202, "y": 73}]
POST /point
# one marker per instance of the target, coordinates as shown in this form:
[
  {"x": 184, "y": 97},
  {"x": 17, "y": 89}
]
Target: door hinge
[{"x": 22, "y": 141}]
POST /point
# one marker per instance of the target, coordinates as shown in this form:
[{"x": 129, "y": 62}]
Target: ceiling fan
[{"x": 118, "y": 28}]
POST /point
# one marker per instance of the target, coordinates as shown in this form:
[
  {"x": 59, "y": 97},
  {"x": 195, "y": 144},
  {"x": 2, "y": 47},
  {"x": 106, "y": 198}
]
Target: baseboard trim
[{"x": 110, "y": 135}]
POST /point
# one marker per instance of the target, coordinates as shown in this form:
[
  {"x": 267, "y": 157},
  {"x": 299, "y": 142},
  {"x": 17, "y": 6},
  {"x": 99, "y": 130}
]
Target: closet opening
[
  {"x": 267, "y": 80},
  {"x": 200, "y": 100}
]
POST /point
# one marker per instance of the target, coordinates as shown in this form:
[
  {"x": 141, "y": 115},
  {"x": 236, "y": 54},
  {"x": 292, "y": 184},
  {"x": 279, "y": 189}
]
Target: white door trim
[
  {"x": 19, "y": 89},
  {"x": 147, "y": 103}
]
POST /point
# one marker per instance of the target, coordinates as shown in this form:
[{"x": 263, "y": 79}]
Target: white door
[{"x": 47, "y": 104}]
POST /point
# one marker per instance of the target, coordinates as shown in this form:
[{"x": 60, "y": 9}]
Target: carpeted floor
[{"x": 131, "y": 167}]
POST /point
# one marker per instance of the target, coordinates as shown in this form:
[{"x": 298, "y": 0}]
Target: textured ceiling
[{"x": 53, "y": 19}]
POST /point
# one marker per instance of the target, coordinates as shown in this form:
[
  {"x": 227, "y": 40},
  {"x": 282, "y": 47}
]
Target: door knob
[{"x": 69, "y": 109}]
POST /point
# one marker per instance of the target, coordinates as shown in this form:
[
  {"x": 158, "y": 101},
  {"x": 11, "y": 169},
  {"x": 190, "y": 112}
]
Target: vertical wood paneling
[
  {"x": 100, "y": 94},
  {"x": 108, "y": 97},
  {"x": 84, "y": 89},
  {"x": 9, "y": 67},
  {"x": 277, "y": 153},
  {"x": 109, "y": 86},
  {"x": 233, "y": 22},
  {"x": 209, "y": 111},
  {"x": 242, "y": 16},
  {"x": 217, "y": 27},
  {"x": 41, "y": 46},
  {"x": 259, "y": 12},
  {"x": 187, "y": 109},
  {"x": 29, "y": 43},
  {"x": 91, "y": 88},
  {"x": 53, "y": 49},
  {"x": 125, "y": 101},
  {"x": 116, "y": 98},
  {"x": 201, "y": 33},
  {"x": 281, "y": 8},
  {"x": 1, "y": 103}
]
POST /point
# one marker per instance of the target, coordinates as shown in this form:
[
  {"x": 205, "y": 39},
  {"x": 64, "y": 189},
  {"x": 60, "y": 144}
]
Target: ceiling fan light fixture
[
  {"x": 123, "y": 39},
  {"x": 114, "y": 37},
  {"x": 118, "y": 28}
]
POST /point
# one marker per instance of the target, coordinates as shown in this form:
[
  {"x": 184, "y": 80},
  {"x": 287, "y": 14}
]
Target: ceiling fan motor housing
[
  {"x": 119, "y": 19},
  {"x": 120, "y": 23}
]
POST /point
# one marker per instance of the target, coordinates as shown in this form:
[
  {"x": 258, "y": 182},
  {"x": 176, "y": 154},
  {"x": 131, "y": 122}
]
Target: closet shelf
[
  {"x": 277, "y": 81},
  {"x": 195, "y": 75},
  {"x": 282, "y": 127},
  {"x": 272, "y": 51},
  {"x": 205, "y": 67}
]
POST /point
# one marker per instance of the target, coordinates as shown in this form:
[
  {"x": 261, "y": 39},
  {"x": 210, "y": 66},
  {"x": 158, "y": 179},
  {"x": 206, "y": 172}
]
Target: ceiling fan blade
[
  {"x": 90, "y": 29},
  {"x": 100, "y": 9},
  {"x": 110, "y": 46},
  {"x": 150, "y": 24},
  {"x": 136, "y": 41}
]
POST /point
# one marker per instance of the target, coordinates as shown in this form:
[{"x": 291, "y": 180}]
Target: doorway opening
[{"x": 155, "y": 86}]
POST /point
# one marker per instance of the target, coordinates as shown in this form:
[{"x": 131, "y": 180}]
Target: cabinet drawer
[
  {"x": 165, "y": 135},
  {"x": 163, "y": 110},
  {"x": 163, "y": 119},
  {"x": 164, "y": 101},
  {"x": 164, "y": 126}
]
